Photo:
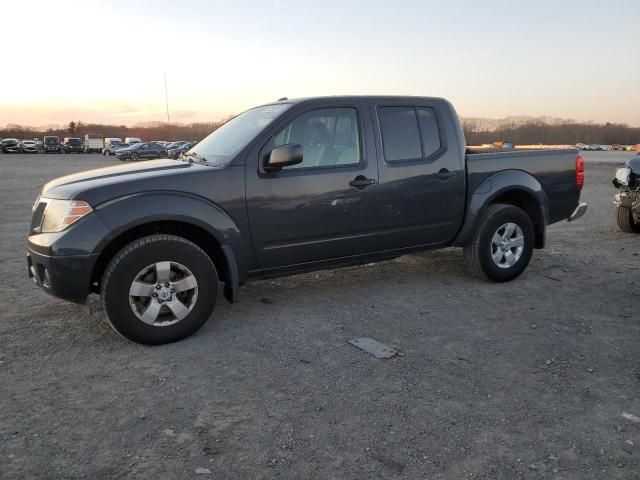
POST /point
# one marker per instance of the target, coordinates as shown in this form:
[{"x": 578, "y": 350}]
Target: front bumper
[
  {"x": 67, "y": 277},
  {"x": 580, "y": 210}
]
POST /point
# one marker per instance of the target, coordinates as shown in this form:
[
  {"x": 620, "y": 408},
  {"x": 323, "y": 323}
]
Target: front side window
[{"x": 329, "y": 137}]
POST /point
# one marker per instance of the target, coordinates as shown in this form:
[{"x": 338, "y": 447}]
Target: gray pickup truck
[{"x": 292, "y": 186}]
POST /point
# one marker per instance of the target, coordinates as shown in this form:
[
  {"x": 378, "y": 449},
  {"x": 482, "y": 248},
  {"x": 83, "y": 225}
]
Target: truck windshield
[
  {"x": 219, "y": 147},
  {"x": 51, "y": 140}
]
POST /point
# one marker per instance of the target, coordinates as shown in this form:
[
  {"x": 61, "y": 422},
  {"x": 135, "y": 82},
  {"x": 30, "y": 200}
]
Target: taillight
[{"x": 579, "y": 172}]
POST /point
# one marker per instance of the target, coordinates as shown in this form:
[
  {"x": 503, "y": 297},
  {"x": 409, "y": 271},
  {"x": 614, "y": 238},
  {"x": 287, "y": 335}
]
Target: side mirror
[{"x": 283, "y": 156}]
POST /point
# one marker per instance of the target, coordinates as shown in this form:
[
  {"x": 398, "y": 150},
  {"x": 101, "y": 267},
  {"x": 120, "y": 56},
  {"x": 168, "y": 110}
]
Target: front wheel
[
  {"x": 626, "y": 219},
  {"x": 159, "y": 289},
  {"x": 502, "y": 244}
]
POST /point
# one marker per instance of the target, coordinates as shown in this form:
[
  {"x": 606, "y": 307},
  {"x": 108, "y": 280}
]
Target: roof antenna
[{"x": 283, "y": 98}]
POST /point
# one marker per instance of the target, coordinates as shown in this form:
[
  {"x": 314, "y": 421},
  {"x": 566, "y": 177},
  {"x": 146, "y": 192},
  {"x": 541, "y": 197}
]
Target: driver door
[{"x": 325, "y": 207}]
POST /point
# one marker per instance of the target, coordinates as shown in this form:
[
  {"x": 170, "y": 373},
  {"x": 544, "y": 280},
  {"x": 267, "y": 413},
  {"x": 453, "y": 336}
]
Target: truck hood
[{"x": 103, "y": 184}]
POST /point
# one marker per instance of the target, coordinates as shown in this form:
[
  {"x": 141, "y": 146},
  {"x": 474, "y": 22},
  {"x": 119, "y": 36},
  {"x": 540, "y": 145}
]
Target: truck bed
[{"x": 554, "y": 169}]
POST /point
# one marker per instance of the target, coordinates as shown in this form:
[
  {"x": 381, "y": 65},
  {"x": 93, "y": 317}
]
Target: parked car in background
[
  {"x": 111, "y": 145},
  {"x": 177, "y": 148},
  {"x": 72, "y": 145},
  {"x": 141, "y": 151},
  {"x": 287, "y": 187},
  {"x": 52, "y": 144},
  {"x": 93, "y": 143},
  {"x": 132, "y": 140},
  {"x": 10, "y": 145},
  {"x": 581, "y": 146},
  {"x": 28, "y": 146}
]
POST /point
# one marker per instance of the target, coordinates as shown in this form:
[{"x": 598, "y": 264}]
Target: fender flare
[
  {"x": 504, "y": 182},
  {"x": 122, "y": 214}
]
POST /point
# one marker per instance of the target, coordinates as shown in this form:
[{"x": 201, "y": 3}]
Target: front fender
[
  {"x": 124, "y": 213},
  {"x": 501, "y": 184}
]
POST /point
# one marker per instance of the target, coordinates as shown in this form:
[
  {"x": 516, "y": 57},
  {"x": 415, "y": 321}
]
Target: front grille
[{"x": 38, "y": 215}]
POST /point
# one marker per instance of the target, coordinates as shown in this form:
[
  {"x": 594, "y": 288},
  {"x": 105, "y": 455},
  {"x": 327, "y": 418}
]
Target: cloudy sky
[{"x": 105, "y": 61}]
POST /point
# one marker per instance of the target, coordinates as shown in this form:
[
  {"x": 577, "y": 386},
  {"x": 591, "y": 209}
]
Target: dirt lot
[{"x": 521, "y": 380}]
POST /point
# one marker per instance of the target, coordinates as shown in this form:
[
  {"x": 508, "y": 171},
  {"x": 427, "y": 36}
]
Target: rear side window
[
  {"x": 408, "y": 133},
  {"x": 400, "y": 134},
  {"x": 429, "y": 131}
]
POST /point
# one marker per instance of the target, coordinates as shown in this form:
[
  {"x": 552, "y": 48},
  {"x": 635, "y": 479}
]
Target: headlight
[
  {"x": 622, "y": 175},
  {"x": 62, "y": 213}
]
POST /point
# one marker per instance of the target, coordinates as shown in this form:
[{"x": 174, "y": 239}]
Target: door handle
[
  {"x": 361, "y": 181},
  {"x": 444, "y": 174}
]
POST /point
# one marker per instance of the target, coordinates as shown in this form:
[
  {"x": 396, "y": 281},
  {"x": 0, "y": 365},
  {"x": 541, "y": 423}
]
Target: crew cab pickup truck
[{"x": 286, "y": 187}]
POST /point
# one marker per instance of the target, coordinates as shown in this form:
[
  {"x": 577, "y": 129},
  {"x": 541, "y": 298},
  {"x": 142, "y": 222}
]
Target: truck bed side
[{"x": 555, "y": 170}]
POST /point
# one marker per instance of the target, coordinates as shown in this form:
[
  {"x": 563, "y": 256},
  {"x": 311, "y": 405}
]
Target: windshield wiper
[{"x": 191, "y": 156}]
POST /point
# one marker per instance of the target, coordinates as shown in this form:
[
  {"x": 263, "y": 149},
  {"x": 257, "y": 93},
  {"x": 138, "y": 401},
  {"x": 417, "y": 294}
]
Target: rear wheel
[
  {"x": 627, "y": 221},
  {"x": 159, "y": 289},
  {"x": 502, "y": 244}
]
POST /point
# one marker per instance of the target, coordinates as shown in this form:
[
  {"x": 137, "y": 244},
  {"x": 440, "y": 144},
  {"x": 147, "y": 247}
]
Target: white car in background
[
  {"x": 28, "y": 146},
  {"x": 112, "y": 144}
]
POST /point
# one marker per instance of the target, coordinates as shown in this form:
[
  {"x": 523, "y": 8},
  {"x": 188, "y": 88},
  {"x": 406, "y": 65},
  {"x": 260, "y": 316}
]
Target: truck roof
[{"x": 378, "y": 98}]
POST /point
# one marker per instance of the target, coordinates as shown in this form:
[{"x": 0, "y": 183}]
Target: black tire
[
  {"x": 135, "y": 257},
  {"x": 626, "y": 221},
  {"x": 478, "y": 252}
]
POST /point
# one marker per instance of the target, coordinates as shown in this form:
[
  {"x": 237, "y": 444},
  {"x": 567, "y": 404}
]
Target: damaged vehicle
[{"x": 627, "y": 202}]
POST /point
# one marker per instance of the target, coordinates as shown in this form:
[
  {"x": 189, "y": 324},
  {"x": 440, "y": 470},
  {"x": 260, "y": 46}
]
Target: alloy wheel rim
[
  {"x": 163, "y": 293},
  {"x": 507, "y": 245}
]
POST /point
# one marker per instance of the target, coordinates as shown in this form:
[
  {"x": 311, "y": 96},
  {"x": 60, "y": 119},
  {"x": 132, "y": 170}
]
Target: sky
[{"x": 105, "y": 61}]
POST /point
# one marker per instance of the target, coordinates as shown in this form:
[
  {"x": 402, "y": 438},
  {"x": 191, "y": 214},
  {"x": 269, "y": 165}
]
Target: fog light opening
[{"x": 45, "y": 278}]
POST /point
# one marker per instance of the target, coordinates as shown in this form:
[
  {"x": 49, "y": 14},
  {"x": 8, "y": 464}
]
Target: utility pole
[{"x": 166, "y": 96}]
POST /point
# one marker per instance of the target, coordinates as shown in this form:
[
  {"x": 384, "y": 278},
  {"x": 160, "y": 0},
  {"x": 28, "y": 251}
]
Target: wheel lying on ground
[
  {"x": 159, "y": 289},
  {"x": 626, "y": 221},
  {"x": 502, "y": 244}
]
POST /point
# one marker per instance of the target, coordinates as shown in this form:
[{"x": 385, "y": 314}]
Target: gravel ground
[{"x": 525, "y": 380}]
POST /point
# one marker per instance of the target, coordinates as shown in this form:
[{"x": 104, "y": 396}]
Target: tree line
[
  {"x": 534, "y": 132},
  {"x": 147, "y": 131},
  {"x": 528, "y": 132}
]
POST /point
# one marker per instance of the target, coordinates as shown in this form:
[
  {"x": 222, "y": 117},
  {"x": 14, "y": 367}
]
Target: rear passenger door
[{"x": 422, "y": 179}]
